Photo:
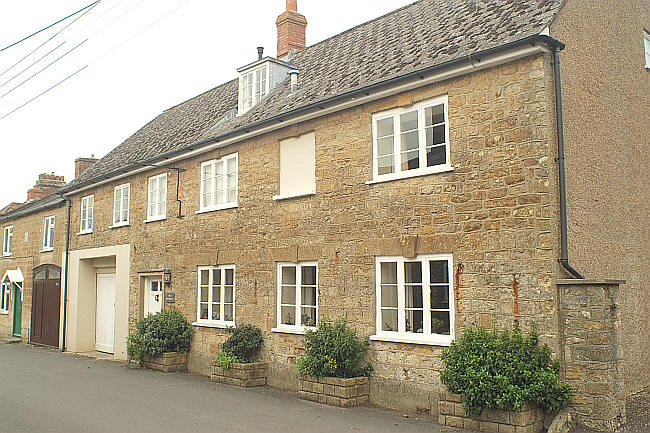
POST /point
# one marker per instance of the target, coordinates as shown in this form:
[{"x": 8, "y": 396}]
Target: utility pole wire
[
  {"x": 47, "y": 66},
  {"x": 19, "y": 73},
  {"x": 51, "y": 25},
  {"x": 45, "y": 91},
  {"x": 48, "y": 40}
]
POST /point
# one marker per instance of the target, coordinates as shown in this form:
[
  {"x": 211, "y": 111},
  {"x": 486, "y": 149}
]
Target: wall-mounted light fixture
[{"x": 167, "y": 276}]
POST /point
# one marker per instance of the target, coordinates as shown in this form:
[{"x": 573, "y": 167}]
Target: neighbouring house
[{"x": 433, "y": 168}]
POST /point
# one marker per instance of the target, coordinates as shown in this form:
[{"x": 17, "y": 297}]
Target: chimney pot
[
  {"x": 260, "y": 53},
  {"x": 292, "y": 5}
]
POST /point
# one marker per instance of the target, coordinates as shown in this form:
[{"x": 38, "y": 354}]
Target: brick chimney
[
  {"x": 45, "y": 185},
  {"x": 83, "y": 164},
  {"x": 291, "y": 30}
]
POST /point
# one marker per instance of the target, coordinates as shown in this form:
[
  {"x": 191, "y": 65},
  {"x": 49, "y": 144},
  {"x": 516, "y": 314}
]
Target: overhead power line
[
  {"x": 48, "y": 40},
  {"x": 51, "y": 25}
]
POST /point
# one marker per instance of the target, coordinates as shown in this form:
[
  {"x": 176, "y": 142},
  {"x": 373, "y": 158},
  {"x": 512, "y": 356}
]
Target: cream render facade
[{"x": 475, "y": 236}]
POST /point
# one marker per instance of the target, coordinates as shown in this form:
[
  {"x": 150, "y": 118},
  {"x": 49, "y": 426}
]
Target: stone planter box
[
  {"x": 244, "y": 375},
  {"x": 529, "y": 419},
  {"x": 334, "y": 391},
  {"x": 170, "y": 361}
]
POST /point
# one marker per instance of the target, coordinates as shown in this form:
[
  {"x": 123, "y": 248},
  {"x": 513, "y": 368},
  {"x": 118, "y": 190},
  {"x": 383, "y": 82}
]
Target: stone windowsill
[
  {"x": 411, "y": 173},
  {"x": 411, "y": 340},
  {"x": 290, "y": 196},
  {"x": 221, "y": 325}
]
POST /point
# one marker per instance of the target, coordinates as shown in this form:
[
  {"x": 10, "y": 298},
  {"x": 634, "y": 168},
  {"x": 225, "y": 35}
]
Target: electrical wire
[
  {"x": 48, "y": 40},
  {"x": 51, "y": 25},
  {"x": 41, "y": 58},
  {"x": 47, "y": 66}
]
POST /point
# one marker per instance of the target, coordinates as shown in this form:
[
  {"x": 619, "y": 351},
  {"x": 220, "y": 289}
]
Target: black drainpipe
[
  {"x": 65, "y": 272},
  {"x": 564, "y": 259}
]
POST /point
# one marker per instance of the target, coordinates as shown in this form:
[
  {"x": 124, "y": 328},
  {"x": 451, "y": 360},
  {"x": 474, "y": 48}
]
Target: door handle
[{"x": 157, "y": 298}]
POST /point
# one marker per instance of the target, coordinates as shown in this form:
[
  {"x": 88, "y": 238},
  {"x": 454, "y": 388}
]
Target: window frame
[
  {"x": 88, "y": 228},
  {"x": 413, "y": 337},
  {"x": 49, "y": 226},
  {"x": 163, "y": 215},
  {"x": 224, "y": 205},
  {"x": 5, "y": 295},
  {"x": 255, "y": 96},
  {"x": 211, "y": 322},
  {"x": 298, "y": 328},
  {"x": 422, "y": 147},
  {"x": 7, "y": 240},
  {"x": 121, "y": 188}
]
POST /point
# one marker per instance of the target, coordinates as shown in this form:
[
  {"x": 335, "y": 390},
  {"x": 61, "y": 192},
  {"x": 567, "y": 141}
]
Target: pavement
[{"x": 44, "y": 390}]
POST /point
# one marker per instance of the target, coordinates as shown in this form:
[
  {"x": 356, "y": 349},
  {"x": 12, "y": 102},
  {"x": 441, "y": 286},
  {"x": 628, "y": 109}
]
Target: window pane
[
  {"x": 288, "y": 275},
  {"x": 434, "y": 115},
  {"x": 231, "y": 164},
  {"x": 388, "y": 295},
  {"x": 385, "y": 146},
  {"x": 439, "y": 297},
  {"x": 216, "y": 294},
  {"x": 230, "y": 277},
  {"x": 40, "y": 275},
  {"x": 389, "y": 320},
  {"x": 232, "y": 195},
  {"x": 215, "y": 312},
  {"x": 54, "y": 274},
  {"x": 413, "y": 297},
  {"x": 204, "y": 311},
  {"x": 228, "y": 294},
  {"x": 436, "y": 156},
  {"x": 308, "y": 316},
  {"x": 410, "y": 160},
  {"x": 413, "y": 272},
  {"x": 385, "y": 127},
  {"x": 439, "y": 271},
  {"x": 288, "y": 295},
  {"x": 438, "y": 134},
  {"x": 228, "y": 312},
  {"x": 204, "y": 276},
  {"x": 308, "y": 296},
  {"x": 216, "y": 277},
  {"x": 408, "y": 121},
  {"x": 410, "y": 141},
  {"x": 204, "y": 294},
  {"x": 388, "y": 272},
  {"x": 308, "y": 276},
  {"x": 414, "y": 321},
  {"x": 385, "y": 165},
  {"x": 288, "y": 315},
  {"x": 440, "y": 322}
]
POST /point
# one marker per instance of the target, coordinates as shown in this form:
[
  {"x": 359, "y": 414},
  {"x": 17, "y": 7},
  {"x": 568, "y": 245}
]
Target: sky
[{"x": 127, "y": 61}]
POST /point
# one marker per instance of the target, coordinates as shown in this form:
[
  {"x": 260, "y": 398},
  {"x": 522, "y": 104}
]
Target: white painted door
[
  {"x": 105, "y": 318},
  {"x": 153, "y": 296}
]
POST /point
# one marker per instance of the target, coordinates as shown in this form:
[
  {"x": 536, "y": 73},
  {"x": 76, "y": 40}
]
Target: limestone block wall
[
  {"x": 495, "y": 212},
  {"x": 592, "y": 359},
  {"x": 26, "y": 254}
]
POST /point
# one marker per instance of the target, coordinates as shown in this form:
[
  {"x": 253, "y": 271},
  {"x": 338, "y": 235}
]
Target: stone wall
[
  {"x": 592, "y": 358},
  {"x": 494, "y": 212}
]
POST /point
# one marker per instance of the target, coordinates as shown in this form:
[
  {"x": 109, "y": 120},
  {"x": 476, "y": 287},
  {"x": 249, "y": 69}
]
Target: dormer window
[
  {"x": 257, "y": 79},
  {"x": 253, "y": 87}
]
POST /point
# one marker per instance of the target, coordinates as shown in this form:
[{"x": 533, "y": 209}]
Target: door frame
[
  {"x": 147, "y": 281},
  {"x": 46, "y": 267}
]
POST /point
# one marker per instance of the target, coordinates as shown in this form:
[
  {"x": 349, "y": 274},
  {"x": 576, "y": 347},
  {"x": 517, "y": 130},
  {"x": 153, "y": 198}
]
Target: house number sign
[{"x": 170, "y": 297}]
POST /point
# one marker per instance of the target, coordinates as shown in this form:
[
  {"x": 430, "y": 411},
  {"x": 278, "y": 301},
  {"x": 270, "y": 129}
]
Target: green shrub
[
  {"x": 225, "y": 359},
  {"x": 244, "y": 343},
  {"x": 167, "y": 331},
  {"x": 334, "y": 350},
  {"x": 503, "y": 370}
]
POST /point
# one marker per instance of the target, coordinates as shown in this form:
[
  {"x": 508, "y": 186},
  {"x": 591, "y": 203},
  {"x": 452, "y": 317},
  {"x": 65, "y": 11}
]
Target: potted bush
[
  {"x": 237, "y": 363},
  {"x": 500, "y": 379},
  {"x": 161, "y": 341},
  {"x": 332, "y": 369}
]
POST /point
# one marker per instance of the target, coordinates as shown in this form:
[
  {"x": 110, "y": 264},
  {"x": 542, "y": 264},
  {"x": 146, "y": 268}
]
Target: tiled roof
[
  {"x": 47, "y": 202},
  {"x": 418, "y": 36}
]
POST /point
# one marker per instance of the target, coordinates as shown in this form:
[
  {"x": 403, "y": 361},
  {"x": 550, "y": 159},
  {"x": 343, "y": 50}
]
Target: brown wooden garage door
[{"x": 46, "y": 305}]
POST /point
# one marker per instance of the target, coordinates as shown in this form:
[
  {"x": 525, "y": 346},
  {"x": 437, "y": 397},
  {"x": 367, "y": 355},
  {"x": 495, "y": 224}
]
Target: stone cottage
[{"x": 433, "y": 168}]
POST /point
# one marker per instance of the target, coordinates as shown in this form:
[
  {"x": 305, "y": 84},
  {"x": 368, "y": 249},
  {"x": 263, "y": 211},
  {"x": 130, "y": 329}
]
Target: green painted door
[{"x": 18, "y": 311}]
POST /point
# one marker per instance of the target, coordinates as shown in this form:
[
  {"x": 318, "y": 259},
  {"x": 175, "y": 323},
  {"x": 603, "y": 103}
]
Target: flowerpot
[
  {"x": 169, "y": 361},
  {"x": 244, "y": 375},
  {"x": 334, "y": 391},
  {"x": 451, "y": 412}
]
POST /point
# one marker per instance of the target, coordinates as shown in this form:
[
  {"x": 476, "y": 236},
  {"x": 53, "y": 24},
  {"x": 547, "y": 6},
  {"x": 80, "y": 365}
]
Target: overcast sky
[{"x": 142, "y": 57}]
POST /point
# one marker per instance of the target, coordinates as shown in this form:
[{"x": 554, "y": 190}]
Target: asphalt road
[{"x": 42, "y": 390}]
